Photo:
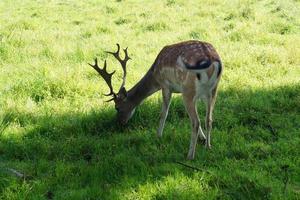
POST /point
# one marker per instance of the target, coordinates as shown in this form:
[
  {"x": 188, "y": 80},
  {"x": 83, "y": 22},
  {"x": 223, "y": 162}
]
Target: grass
[{"x": 56, "y": 129}]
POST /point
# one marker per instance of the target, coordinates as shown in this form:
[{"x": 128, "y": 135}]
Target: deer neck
[{"x": 143, "y": 89}]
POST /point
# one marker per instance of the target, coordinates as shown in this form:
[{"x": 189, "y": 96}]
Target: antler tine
[
  {"x": 106, "y": 76},
  {"x": 123, "y": 62},
  {"x": 116, "y": 54},
  {"x": 126, "y": 54},
  {"x": 110, "y": 99}
]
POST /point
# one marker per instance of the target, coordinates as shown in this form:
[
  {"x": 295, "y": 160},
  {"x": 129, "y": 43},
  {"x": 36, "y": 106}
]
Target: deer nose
[{"x": 122, "y": 122}]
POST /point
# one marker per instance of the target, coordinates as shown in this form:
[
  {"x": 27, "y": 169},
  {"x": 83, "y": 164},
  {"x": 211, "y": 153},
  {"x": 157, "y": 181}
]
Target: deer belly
[{"x": 174, "y": 87}]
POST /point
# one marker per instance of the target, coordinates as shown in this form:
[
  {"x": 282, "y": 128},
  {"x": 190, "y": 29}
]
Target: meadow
[{"x": 58, "y": 132}]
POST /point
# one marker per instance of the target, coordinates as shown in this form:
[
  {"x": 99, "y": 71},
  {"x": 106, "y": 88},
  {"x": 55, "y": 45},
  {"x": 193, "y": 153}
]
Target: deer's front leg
[
  {"x": 191, "y": 108},
  {"x": 166, "y": 94}
]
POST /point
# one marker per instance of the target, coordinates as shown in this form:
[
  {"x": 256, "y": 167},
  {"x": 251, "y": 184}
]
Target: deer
[{"x": 192, "y": 68}]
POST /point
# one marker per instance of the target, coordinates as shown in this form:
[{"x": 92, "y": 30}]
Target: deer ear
[{"x": 122, "y": 93}]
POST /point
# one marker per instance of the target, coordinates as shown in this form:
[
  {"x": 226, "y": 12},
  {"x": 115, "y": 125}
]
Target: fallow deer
[{"x": 192, "y": 68}]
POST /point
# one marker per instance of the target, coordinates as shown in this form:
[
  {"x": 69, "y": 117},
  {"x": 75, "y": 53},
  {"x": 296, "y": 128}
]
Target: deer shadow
[{"x": 102, "y": 152}]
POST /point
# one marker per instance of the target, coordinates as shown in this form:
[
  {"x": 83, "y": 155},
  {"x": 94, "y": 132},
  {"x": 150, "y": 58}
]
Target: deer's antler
[
  {"x": 106, "y": 76},
  {"x": 123, "y": 62}
]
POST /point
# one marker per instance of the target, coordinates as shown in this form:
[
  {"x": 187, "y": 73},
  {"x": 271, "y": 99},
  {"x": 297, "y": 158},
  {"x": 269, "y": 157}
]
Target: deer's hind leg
[
  {"x": 191, "y": 107},
  {"x": 210, "y": 103},
  {"x": 166, "y": 94}
]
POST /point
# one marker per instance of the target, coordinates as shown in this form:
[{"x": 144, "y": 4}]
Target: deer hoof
[
  {"x": 190, "y": 156},
  {"x": 208, "y": 146},
  {"x": 159, "y": 135}
]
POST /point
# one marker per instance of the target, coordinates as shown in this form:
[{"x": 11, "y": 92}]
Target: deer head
[{"x": 124, "y": 110}]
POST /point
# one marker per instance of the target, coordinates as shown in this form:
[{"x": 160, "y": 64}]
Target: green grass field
[{"x": 57, "y": 130}]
